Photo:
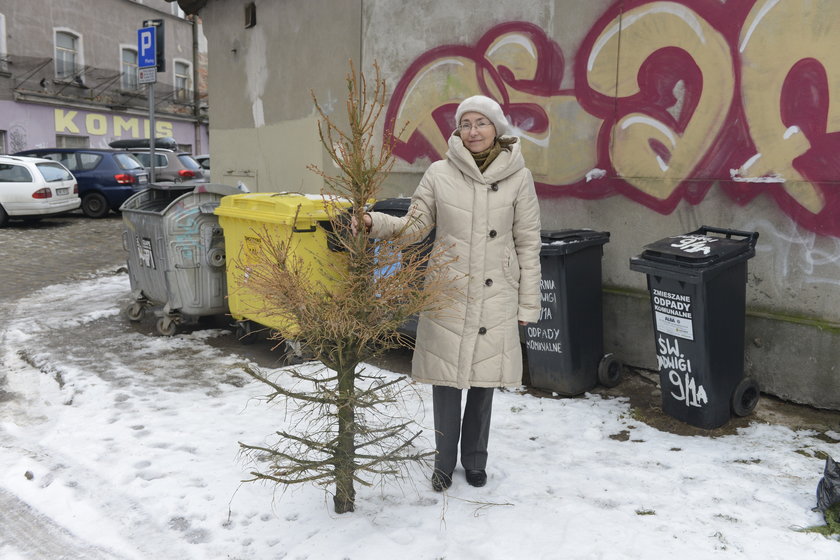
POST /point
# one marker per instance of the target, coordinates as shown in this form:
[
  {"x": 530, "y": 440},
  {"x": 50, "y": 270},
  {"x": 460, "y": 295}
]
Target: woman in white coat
[{"x": 482, "y": 202}]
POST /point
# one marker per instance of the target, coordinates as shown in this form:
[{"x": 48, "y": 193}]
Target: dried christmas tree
[{"x": 343, "y": 308}]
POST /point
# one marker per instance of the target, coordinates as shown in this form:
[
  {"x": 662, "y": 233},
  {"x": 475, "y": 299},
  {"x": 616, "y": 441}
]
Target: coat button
[
  {"x": 492, "y": 233},
  {"x": 488, "y": 282},
  {"x": 482, "y": 330},
  {"x": 494, "y": 187}
]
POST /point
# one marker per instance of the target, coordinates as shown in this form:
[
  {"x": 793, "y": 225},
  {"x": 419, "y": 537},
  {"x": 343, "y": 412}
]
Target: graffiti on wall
[{"x": 669, "y": 98}]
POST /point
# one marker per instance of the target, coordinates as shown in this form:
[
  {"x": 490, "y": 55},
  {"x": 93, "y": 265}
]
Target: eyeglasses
[{"x": 480, "y": 125}]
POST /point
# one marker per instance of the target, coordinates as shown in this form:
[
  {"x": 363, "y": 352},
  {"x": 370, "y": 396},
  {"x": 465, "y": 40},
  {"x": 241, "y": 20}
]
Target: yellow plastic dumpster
[{"x": 248, "y": 219}]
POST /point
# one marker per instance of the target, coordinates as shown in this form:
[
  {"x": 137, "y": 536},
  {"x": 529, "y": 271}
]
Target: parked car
[
  {"x": 33, "y": 188},
  {"x": 176, "y": 167},
  {"x": 204, "y": 161},
  {"x": 171, "y": 164},
  {"x": 106, "y": 177}
]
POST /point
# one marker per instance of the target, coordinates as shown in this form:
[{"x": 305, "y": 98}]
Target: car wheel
[
  {"x": 94, "y": 205},
  {"x": 4, "y": 218}
]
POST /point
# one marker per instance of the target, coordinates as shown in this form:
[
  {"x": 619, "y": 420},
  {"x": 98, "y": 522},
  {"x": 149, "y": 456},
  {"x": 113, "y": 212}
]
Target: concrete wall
[
  {"x": 645, "y": 119},
  {"x": 264, "y": 129}
]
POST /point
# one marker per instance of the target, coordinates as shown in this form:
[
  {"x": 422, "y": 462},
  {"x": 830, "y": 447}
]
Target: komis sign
[{"x": 98, "y": 124}]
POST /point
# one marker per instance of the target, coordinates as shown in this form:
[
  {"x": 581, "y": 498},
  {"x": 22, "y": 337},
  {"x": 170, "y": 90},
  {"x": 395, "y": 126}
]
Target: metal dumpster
[{"x": 176, "y": 253}]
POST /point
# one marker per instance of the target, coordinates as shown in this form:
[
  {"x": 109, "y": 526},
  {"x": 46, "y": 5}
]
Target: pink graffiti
[{"x": 804, "y": 102}]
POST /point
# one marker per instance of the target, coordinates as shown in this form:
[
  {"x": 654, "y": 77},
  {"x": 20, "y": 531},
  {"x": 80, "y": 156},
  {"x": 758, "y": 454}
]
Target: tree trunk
[{"x": 345, "y": 494}]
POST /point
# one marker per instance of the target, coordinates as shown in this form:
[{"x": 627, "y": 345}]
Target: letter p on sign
[{"x": 146, "y": 48}]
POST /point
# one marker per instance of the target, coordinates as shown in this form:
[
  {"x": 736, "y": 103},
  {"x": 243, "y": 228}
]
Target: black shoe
[
  {"x": 441, "y": 481},
  {"x": 477, "y": 477}
]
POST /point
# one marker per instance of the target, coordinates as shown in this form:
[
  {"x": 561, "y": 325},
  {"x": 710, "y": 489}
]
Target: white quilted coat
[{"x": 490, "y": 223}]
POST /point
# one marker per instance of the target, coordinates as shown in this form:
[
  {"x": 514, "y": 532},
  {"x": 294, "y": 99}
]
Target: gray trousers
[{"x": 474, "y": 432}]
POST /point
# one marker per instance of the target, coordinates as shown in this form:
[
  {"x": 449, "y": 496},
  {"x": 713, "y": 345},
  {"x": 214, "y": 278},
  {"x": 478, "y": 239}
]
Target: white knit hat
[{"x": 487, "y": 107}]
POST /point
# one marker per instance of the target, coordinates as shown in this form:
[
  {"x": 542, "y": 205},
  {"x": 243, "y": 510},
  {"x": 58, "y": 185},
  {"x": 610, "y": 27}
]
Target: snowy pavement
[{"x": 119, "y": 444}]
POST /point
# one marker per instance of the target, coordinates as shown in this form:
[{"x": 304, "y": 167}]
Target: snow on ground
[{"x": 116, "y": 444}]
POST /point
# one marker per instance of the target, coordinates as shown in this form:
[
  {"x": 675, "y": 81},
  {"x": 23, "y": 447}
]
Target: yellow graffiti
[
  {"x": 644, "y": 31},
  {"x": 572, "y": 132},
  {"x": 446, "y": 80},
  {"x": 766, "y": 63}
]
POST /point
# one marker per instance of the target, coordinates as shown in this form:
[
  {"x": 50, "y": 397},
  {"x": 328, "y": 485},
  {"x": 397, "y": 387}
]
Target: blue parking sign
[{"x": 146, "y": 47}]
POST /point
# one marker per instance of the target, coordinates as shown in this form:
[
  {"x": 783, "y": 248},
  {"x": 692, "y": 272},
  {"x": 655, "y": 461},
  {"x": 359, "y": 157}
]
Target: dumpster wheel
[
  {"x": 167, "y": 326},
  {"x": 745, "y": 396},
  {"x": 135, "y": 311},
  {"x": 244, "y": 332},
  {"x": 609, "y": 371}
]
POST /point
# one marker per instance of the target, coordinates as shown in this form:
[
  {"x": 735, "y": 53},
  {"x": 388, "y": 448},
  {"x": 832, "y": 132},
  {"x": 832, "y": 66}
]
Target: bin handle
[
  {"x": 752, "y": 236},
  {"x": 303, "y": 230}
]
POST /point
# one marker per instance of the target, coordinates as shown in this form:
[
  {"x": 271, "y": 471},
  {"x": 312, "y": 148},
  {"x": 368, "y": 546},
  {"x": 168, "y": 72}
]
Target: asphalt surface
[{"x": 57, "y": 250}]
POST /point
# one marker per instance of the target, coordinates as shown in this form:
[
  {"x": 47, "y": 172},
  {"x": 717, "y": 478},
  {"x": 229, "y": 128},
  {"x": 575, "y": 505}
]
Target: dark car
[
  {"x": 171, "y": 164},
  {"x": 106, "y": 178}
]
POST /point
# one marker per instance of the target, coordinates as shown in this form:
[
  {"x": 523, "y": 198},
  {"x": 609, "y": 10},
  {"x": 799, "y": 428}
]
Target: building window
[
  {"x": 68, "y": 57},
  {"x": 183, "y": 81},
  {"x": 3, "y": 148},
  {"x": 128, "y": 66},
  {"x": 67, "y": 141}
]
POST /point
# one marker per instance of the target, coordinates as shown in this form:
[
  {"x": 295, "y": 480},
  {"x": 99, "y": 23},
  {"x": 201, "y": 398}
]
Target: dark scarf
[{"x": 485, "y": 158}]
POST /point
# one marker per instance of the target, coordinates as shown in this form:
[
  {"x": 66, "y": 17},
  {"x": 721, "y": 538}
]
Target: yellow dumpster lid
[{"x": 279, "y": 208}]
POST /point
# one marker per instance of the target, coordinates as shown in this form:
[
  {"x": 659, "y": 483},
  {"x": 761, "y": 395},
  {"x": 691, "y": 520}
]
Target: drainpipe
[{"x": 199, "y": 149}]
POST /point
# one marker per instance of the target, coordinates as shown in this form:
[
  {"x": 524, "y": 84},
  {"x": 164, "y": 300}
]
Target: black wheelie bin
[
  {"x": 697, "y": 285},
  {"x": 565, "y": 349}
]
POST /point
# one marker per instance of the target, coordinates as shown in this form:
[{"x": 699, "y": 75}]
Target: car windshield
[
  {"x": 189, "y": 162},
  {"x": 53, "y": 172},
  {"x": 128, "y": 161}
]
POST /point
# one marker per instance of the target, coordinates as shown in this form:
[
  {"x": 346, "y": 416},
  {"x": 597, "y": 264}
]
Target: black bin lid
[
  {"x": 701, "y": 249},
  {"x": 565, "y": 241},
  {"x": 397, "y": 206}
]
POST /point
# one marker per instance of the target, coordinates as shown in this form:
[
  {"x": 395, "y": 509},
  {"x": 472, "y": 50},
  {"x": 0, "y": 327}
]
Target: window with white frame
[
  {"x": 183, "y": 80},
  {"x": 128, "y": 67},
  {"x": 68, "y": 54}
]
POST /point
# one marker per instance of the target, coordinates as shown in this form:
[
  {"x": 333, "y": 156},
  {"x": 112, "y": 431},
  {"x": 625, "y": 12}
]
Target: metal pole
[{"x": 152, "y": 132}]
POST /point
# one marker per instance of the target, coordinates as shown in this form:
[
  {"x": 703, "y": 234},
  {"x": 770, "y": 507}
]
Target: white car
[{"x": 33, "y": 188}]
